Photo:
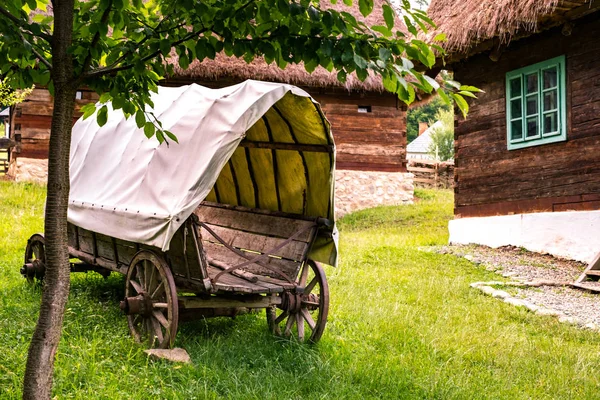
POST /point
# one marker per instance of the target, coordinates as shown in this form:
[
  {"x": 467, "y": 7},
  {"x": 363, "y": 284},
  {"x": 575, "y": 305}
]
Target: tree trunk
[{"x": 44, "y": 343}]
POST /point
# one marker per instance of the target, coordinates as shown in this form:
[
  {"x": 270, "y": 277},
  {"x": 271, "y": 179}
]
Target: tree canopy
[{"x": 121, "y": 48}]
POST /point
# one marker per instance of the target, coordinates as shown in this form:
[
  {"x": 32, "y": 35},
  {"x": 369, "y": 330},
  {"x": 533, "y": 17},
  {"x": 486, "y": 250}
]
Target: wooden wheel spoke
[
  {"x": 310, "y": 303},
  {"x": 281, "y": 317},
  {"x": 310, "y": 286},
  {"x": 161, "y": 318},
  {"x": 160, "y": 305},
  {"x": 146, "y": 274},
  {"x": 288, "y": 325},
  {"x": 157, "y": 330},
  {"x": 158, "y": 291},
  {"x": 151, "y": 280},
  {"x": 140, "y": 274},
  {"x": 136, "y": 320},
  {"x": 304, "y": 274},
  {"x": 308, "y": 318},
  {"x": 300, "y": 324},
  {"x": 136, "y": 286}
]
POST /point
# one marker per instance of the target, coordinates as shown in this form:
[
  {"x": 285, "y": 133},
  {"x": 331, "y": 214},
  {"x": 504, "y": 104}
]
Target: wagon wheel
[
  {"x": 34, "y": 266},
  {"x": 151, "y": 300},
  {"x": 305, "y": 314}
]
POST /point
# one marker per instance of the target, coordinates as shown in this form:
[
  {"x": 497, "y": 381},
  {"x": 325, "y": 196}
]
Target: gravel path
[{"x": 571, "y": 305}]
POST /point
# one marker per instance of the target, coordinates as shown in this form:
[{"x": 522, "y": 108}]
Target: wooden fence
[
  {"x": 432, "y": 174},
  {"x": 3, "y": 161}
]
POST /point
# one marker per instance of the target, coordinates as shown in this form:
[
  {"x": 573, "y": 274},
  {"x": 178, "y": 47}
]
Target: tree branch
[
  {"x": 109, "y": 70},
  {"x": 20, "y": 24},
  {"x": 35, "y": 52},
  {"x": 96, "y": 38}
]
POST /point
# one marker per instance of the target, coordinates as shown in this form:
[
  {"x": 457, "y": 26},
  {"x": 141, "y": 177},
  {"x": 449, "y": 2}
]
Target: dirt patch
[{"x": 518, "y": 263}]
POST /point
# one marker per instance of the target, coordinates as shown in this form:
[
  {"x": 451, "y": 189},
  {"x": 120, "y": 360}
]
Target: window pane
[
  {"x": 550, "y": 77},
  {"x": 515, "y": 87},
  {"x": 550, "y": 100},
  {"x": 532, "y": 105},
  {"x": 532, "y": 127},
  {"x": 515, "y": 109},
  {"x": 516, "y": 130},
  {"x": 551, "y": 122},
  {"x": 532, "y": 83}
]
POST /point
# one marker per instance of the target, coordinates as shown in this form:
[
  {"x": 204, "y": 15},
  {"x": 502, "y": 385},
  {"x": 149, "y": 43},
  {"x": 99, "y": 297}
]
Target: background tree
[
  {"x": 119, "y": 49},
  {"x": 442, "y": 138},
  {"x": 425, "y": 113},
  {"x": 10, "y": 97}
]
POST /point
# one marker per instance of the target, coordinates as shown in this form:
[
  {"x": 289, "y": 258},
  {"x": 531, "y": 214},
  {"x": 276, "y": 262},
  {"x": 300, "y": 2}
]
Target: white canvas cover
[{"x": 130, "y": 187}]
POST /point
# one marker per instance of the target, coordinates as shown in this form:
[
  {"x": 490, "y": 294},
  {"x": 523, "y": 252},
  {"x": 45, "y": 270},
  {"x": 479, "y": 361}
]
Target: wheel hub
[
  {"x": 140, "y": 304},
  {"x": 291, "y": 302},
  {"x": 33, "y": 269}
]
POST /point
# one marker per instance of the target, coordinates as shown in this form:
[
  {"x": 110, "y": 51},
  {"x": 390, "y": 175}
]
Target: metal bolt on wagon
[{"x": 237, "y": 216}]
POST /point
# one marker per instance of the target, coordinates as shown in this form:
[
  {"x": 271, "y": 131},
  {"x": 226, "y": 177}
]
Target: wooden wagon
[{"x": 236, "y": 217}]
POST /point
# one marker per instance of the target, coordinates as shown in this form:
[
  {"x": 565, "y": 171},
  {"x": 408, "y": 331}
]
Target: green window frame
[{"x": 536, "y": 109}]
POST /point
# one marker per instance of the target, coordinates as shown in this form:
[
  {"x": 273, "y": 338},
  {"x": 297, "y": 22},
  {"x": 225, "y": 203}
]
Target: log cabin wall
[
  {"x": 369, "y": 129},
  {"x": 491, "y": 180},
  {"x": 32, "y": 119}
]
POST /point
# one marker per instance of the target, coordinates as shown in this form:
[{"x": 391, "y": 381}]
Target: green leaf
[
  {"x": 171, "y": 136},
  {"x": 140, "y": 119},
  {"x": 390, "y": 83},
  {"x": 468, "y": 94},
  {"x": 453, "y": 84},
  {"x": 149, "y": 129},
  {"x": 104, "y": 97},
  {"x": 444, "y": 96},
  {"x": 388, "y": 16},
  {"x": 360, "y": 62},
  {"x": 384, "y": 54},
  {"x": 440, "y": 37},
  {"x": 365, "y": 7},
  {"x": 431, "y": 82},
  {"x": 471, "y": 89},
  {"x": 461, "y": 103},
  {"x": 382, "y": 29},
  {"x": 88, "y": 110},
  {"x": 311, "y": 65},
  {"x": 165, "y": 47},
  {"x": 102, "y": 116},
  {"x": 160, "y": 136}
]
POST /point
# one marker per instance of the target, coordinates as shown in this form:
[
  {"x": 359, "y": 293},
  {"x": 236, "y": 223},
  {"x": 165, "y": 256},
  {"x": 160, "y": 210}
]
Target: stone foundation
[
  {"x": 357, "y": 190},
  {"x": 28, "y": 170}
]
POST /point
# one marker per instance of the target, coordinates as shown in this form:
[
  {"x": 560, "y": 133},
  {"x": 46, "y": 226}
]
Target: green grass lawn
[{"x": 403, "y": 324}]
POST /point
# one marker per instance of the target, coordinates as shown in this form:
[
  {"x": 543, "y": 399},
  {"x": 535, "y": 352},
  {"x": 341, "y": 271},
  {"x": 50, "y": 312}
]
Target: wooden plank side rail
[{"x": 252, "y": 232}]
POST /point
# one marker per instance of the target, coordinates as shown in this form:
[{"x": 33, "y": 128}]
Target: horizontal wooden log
[
  {"x": 420, "y": 169},
  {"x": 353, "y": 165},
  {"x": 552, "y": 204}
]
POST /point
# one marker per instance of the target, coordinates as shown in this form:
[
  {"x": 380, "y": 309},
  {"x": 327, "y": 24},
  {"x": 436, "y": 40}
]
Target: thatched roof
[
  {"x": 469, "y": 23},
  {"x": 232, "y": 69}
]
